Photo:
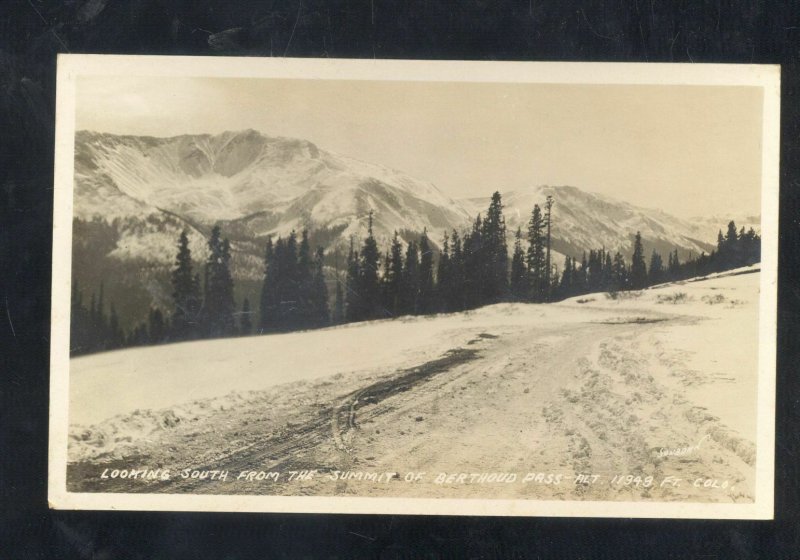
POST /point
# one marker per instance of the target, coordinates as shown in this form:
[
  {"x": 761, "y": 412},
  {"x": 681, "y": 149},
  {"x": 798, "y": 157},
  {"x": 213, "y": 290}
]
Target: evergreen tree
[
  {"x": 338, "y": 305},
  {"x": 426, "y": 294},
  {"x": 443, "y": 276},
  {"x": 245, "y": 321},
  {"x": 750, "y": 244},
  {"x": 519, "y": 276},
  {"x": 219, "y": 304},
  {"x": 656, "y": 274},
  {"x": 289, "y": 284},
  {"x": 186, "y": 293},
  {"x": 269, "y": 291},
  {"x": 548, "y": 215},
  {"x": 674, "y": 265},
  {"x": 474, "y": 266},
  {"x": 393, "y": 279},
  {"x": 732, "y": 253},
  {"x": 353, "y": 307},
  {"x": 606, "y": 275},
  {"x": 619, "y": 273},
  {"x": 638, "y": 273},
  {"x": 722, "y": 252},
  {"x": 369, "y": 281},
  {"x": 536, "y": 255},
  {"x": 495, "y": 284},
  {"x": 565, "y": 287},
  {"x": 579, "y": 279},
  {"x": 319, "y": 291},
  {"x": 595, "y": 271},
  {"x": 305, "y": 309},
  {"x": 409, "y": 294},
  {"x": 455, "y": 295}
]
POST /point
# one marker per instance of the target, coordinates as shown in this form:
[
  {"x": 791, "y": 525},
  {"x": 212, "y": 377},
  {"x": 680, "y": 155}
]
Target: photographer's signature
[{"x": 680, "y": 451}]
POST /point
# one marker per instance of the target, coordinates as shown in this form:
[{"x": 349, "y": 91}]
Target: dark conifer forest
[{"x": 472, "y": 269}]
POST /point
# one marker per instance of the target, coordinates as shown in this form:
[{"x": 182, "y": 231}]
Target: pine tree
[
  {"x": 455, "y": 295},
  {"x": 409, "y": 294},
  {"x": 536, "y": 255},
  {"x": 674, "y": 266},
  {"x": 722, "y": 252},
  {"x": 245, "y": 321},
  {"x": 393, "y": 279},
  {"x": 186, "y": 293},
  {"x": 519, "y": 276},
  {"x": 338, "y": 305},
  {"x": 579, "y": 279},
  {"x": 426, "y": 294},
  {"x": 495, "y": 285},
  {"x": 474, "y": 266},
  {"x": 656, "y": 273},
  {"x": 443, "y": 276},
  {"x": 732, "y": 247},
  {"x": 228, "y": 305},
  {"x": 305, "y": 311},
  {"x": 619, "y": 273},
  {"x": 750, "y": 245},
  {"x": 269, "y": 299},
  {"x": 319, "y": 291},
  {"x": 638, "y": 274},
  {"x": 548, "y": 215},
  {"x": 353, "y": 307},
  {"x": 369, "y": 280},
  {"x": 565, "y": 286},
  {"x": 219, "y": 304},
  {"x": 289, "y": 284},
  {"x": 606, "y": 275}
]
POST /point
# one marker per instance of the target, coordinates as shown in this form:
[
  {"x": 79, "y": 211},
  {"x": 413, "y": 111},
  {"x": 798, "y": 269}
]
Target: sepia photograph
[{"x": 462, "y": 288}]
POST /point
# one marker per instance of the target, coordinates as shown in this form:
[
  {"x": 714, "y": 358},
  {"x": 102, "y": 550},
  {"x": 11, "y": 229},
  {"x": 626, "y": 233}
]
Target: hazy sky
[{"x": 689, "y": 150}]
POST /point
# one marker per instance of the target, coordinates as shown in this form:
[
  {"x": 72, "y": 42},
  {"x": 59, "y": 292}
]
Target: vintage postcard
[{"x": 457, "y": 288}]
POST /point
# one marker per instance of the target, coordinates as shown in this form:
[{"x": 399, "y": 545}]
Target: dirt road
[{"x": 593, "y": 410}]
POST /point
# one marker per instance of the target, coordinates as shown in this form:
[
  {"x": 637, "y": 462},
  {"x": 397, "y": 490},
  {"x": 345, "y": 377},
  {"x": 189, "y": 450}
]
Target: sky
[{"x": 688, "y": 150}]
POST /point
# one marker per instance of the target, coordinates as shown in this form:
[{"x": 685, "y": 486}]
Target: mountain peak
[{"x": 270, "y": 185}]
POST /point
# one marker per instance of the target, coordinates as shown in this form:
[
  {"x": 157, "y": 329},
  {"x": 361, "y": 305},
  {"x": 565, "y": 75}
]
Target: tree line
[
  {"x": 600, "y": 271},
  {"x": 472, "y": 269}
]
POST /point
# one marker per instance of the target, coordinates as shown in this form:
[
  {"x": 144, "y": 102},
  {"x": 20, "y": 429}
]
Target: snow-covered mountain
[
  {"x": 583, "y": 220},
  {"x": 255, "y": 184}
]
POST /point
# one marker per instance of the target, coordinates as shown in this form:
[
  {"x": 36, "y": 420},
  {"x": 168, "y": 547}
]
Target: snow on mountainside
[
  {"x": 257, "y": 183},
  {"x": 584, "y": 220}
]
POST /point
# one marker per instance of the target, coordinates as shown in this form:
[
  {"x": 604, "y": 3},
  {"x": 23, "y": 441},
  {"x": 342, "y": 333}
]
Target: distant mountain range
[
  {"x": 583, "y": 220},
  {"x": 137, "y": 193}
]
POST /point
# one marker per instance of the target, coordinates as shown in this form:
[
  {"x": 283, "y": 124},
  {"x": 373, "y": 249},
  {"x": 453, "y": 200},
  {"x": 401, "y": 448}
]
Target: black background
[{"x": 32, "y": 32}]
